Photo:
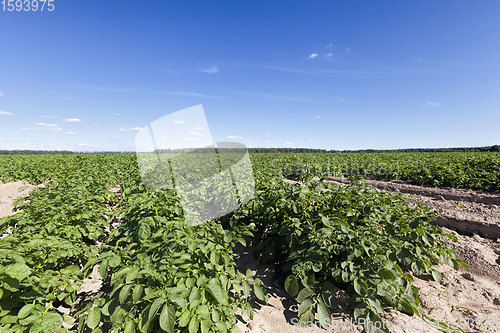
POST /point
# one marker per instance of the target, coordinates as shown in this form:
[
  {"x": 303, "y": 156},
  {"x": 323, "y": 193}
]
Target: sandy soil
[
  {"x": 467, "y": 299},
  {"x": 10, "y": 192}
]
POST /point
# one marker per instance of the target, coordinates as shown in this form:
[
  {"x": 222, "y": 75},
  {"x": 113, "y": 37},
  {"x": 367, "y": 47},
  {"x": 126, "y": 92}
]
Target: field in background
[{"x": 94, "y": 217}]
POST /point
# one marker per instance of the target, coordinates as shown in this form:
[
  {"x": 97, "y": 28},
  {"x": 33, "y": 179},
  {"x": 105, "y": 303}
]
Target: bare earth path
[{"x": 10, "y": 192}]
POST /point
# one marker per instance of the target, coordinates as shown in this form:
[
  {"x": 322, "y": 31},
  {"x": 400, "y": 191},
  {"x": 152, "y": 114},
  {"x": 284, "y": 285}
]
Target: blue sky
[{"x": 321, "y": 74}]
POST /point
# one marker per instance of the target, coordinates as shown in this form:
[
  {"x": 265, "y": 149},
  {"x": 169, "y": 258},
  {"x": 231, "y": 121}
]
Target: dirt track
[{"x": 10, "y": 192}]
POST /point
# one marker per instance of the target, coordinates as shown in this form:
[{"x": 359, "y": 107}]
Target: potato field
[{"x": 93, "y": 249}]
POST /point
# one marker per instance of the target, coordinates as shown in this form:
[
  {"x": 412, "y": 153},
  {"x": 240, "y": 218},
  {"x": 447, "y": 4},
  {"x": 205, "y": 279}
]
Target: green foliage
[
  {"x": 365, "y": 242},
  {"x": 161, "y": 275},
  {"x": 478, "y": 170}
]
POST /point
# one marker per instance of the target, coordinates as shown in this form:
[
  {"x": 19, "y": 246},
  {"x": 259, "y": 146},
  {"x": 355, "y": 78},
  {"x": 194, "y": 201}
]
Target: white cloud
[
  {"x": 329, "y": 55},
  {"x": 46, "y": 116},
  {"x": 69, "y": 98},
  {"x": 317, "y": 117},
  {"x": 47, "y": 125},
  {"x": 117, "y": 114},
  {"x": 110, "y": 90},
  {"x": 70, "y": 133},
  {"x": 279, "y": 97},
  {"x": 5, "y": 113},
  {"x": 189, "y": 94},
  {"x": 179, "y": 122},
  {"x": 194, "y": 133},
  {"x": 234, "y": 137},
  {"x": 432, "y": 104},
  {"x": 130, "y": 129},
  {"x": 313, "y": 55},
  {"x": 198, "y": 128},
  {"x": 171, "y": 71},
  {"x": 211, "y": 70},
  {"x": 72, "y": 120},
  {"x": 191, "y": 139},
  {"x": 83, "y": 144},
  {"x": 1, "y": 94}
]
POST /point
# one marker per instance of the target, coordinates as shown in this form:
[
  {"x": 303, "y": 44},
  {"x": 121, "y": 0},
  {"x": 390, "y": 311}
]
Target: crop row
[{"x": 478, "y": 171}]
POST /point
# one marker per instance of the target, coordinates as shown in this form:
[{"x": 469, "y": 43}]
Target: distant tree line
[
  {"x": 288, "y": 150},
  {"x": 34, "y": 152},
  {"x": 495, "y": 148}
]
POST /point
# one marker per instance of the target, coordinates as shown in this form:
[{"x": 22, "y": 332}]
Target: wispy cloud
[
  {"x": 317, "y": 117},
  {"x": 70, "y": 133},
  {"x": 179, "y": 122},
  {"x": 109, "y": 89},
  {"x": 256, "y": 94},
  {"x": 1, "y": 94},
  {"x": 432, "y": 104},
  {"x": 211, "y": 70},
  {"x": 330, "y": 72},
  {"x": 43, "y": 126},
  {"x": 69, "y": 98},
  {"x": 189, "y": 94},
  {"x": 5, "y": 113},
  {"x": 329, "y": 53},
  {"x": 129, "y": 129},
  {"x": 47, "y": 125},
  {"x": 72, "y": 120},
  {"x": 46, "y": 116},
  {"x": 234, "y": 137},
  {"x": 83, "y": 144},
  {"x": 194, "y": 133},
  {"x": 171, "y": 71}
]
